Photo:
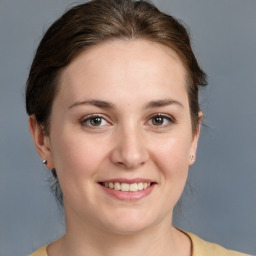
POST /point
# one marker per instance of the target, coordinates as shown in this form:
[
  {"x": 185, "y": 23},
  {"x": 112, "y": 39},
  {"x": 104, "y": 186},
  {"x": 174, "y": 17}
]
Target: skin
[{"x": 139, "y": 80}]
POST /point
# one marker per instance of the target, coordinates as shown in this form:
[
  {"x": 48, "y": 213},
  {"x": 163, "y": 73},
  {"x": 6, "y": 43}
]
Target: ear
[
  {"x": 41, "y": 141},
  {"x": 195, "y": 139}
]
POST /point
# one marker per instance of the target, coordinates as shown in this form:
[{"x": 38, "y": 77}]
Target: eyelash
[{"x": 166, "y": 118}]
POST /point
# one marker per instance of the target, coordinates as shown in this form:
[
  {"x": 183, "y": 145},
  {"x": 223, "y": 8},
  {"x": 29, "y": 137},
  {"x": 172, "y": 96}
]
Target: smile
[
  {"x": 125, "y": 187},
  {"x": 128, "y": 189}
]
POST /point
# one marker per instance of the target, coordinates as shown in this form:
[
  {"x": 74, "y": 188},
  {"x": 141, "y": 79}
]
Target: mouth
[{"x": 127, "y": 187}]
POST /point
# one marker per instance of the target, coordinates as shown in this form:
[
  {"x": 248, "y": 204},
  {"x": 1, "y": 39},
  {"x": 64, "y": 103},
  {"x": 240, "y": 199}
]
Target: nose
[{"x": 130, "y": 149}]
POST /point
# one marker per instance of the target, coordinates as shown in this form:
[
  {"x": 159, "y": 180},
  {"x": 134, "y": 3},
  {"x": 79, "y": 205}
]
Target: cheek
[
  {"x": 76, "y": 156},
  {"x": 172, "y": 162},
  {"x": 172, "y": 157},
  {"x": 77, "y": 160}
]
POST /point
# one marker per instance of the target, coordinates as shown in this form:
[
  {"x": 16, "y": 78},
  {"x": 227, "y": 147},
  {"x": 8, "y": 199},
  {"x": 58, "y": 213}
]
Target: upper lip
[{"x": 128, "y": 181}]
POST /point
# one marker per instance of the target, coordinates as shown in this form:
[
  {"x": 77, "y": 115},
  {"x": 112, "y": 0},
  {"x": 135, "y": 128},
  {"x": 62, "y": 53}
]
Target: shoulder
[
  {"x": 40, "y": 252},
  {"x": 204, "y": 248}
]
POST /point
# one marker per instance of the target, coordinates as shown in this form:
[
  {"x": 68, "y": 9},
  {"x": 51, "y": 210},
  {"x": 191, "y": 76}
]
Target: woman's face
[{"x": 121, "y": 119}]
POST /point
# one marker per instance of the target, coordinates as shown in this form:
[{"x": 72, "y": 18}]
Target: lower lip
[{"x": 129, "y": 196}]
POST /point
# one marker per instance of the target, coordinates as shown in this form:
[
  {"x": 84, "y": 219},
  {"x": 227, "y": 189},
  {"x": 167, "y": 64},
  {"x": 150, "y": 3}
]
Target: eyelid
[{"x": 91, "y": 116}]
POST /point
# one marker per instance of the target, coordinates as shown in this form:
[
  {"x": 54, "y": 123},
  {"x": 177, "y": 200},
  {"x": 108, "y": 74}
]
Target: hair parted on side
[{"x": 95, "y": 22}]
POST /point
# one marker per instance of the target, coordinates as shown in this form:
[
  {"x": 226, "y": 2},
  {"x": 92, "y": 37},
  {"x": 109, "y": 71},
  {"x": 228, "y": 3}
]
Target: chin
[
  {"x": 127, "y": 228},
  {"x": 130, "y": 222}
]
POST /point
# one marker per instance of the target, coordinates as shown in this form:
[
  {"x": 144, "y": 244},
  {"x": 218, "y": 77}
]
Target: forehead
[{"x": 126, "y": 64}]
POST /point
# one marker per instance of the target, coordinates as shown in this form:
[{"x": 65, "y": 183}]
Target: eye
[
  {"x": 158, "y": 120},
  {"x": 94, "y": 121},
  {"x": 161, "y": 120}
]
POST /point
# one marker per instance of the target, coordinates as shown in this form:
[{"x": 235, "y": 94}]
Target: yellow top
[{"x": 200, "y": 248}]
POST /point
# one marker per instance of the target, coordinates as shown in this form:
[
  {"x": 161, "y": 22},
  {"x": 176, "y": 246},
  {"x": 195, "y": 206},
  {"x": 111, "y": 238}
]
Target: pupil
[
  {"x": 95, "y": 121},
  {"x": 158, "y": 120}
]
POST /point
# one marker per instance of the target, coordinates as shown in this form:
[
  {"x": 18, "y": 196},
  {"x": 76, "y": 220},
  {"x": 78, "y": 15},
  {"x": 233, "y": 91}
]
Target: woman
[{"x": 112, "y": 99}]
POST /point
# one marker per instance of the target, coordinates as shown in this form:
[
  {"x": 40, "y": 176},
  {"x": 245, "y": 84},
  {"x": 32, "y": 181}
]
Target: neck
[{"x": 83, "y": 238}]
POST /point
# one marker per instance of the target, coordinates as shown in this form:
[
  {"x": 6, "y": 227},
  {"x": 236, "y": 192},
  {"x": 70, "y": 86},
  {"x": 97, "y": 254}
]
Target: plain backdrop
[{"x": 220, "y": 203}]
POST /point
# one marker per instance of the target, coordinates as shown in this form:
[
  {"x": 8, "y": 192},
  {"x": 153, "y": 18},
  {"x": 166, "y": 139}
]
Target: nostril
[{"x": 120, "y": 163}]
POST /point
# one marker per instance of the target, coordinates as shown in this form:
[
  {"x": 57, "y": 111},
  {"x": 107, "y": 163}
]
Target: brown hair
[{"x": 87, "y": 25}]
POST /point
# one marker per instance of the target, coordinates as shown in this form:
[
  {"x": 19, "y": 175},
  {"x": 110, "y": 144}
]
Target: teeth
[
  {"x": 134, "y": 187},
  {"x": 140, "y": 186},
  {"x": 125, "y": 187},
  {"x": 117, "y": 186}
]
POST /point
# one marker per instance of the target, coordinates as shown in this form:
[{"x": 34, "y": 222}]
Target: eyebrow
[
  {"x": 162, "y": 103},
  {"x": 108, "y": 105},
  {"x": 97, "y": 103}
]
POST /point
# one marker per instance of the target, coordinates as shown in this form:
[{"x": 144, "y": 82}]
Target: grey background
[{"x": 221, "y": 207}]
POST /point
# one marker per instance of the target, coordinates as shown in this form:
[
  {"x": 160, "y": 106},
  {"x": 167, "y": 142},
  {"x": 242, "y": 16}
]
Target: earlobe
[{"x": 41, "y": 141}]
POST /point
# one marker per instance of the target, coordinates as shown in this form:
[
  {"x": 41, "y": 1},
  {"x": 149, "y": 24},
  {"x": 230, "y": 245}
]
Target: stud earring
[
  {"x": 191, "y": 157},
  {"x": 44, "y": 162}
]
